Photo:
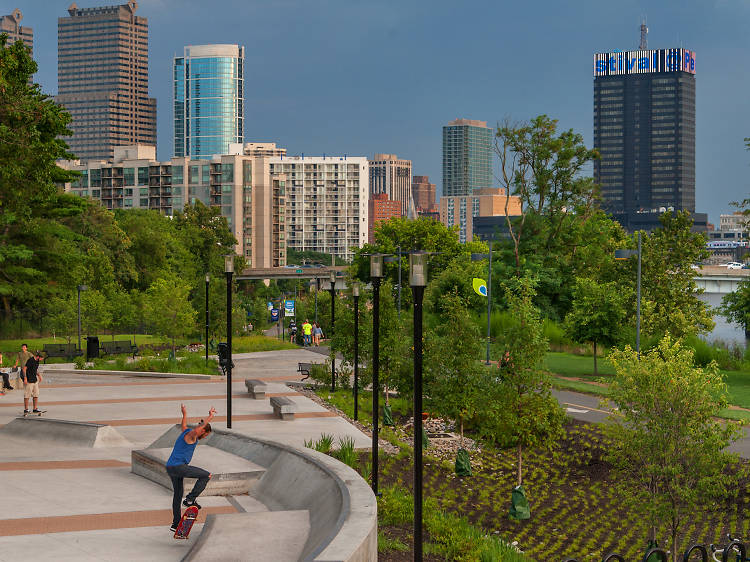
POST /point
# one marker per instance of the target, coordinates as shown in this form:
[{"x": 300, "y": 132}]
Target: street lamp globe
[
  {"x": 418, "y": 269},
  {"x": 228, "y": 263}
]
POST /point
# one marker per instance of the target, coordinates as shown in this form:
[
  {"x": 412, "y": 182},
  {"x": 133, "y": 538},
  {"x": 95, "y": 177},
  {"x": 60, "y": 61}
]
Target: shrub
[{"x": 80, "y": 362}]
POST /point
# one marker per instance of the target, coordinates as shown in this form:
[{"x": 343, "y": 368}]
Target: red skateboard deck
[{"x": 186, "y": 523}]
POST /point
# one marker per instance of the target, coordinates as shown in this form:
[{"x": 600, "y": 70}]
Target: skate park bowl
[
  {"x": 64, "y": 432},
  {"x": 312, "y": 493}
]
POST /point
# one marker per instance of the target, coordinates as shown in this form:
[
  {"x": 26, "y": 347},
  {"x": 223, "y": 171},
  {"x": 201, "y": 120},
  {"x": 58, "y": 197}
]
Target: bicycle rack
[
  {"x": 731, "y": 547},
  {"x": 662, "y": 554},
  {"x": 700, "y": 548}
]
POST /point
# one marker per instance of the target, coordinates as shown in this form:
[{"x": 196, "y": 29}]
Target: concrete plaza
[{"x": 81, "y": 503}]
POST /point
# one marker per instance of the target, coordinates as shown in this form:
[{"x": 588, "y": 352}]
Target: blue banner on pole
[
  {"x": 274, "y": 315},
  {"x": 288, "y": 308}
]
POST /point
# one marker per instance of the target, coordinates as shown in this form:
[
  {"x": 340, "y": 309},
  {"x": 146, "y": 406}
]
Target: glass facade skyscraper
[
  {"x": 467, "y": 157},
  {"x": 644, "y": 129},
  {"x": 208, "y": 100}
]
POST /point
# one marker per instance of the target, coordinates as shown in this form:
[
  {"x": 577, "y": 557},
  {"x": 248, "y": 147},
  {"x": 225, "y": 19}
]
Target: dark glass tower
[{"x": 644, "y": 129}]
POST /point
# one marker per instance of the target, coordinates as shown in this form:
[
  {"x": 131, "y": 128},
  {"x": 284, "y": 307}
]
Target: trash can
[{"x": 92, "y": 347}]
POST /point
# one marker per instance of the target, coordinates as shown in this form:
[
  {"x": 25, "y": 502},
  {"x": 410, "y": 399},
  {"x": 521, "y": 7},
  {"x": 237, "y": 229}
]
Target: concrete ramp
[
  {"x": 230, "y": 475},
  {"x": 271, "y": 536},
  {"x": 64, "y": 432}
]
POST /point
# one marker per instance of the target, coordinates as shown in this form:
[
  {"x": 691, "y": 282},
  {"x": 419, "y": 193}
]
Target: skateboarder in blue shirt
[{"x": 178, "y": 465}]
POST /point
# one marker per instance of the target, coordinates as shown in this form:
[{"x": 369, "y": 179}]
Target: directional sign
[{"x": 269, "y": 304}]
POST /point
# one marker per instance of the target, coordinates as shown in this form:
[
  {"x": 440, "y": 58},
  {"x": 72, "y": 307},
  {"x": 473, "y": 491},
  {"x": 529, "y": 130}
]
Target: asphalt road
[{"x": 590, "y": 409}]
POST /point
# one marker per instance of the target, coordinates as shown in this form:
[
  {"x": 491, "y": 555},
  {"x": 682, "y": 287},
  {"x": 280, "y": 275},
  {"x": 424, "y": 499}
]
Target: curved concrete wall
[{"x": 342, "y": 507}]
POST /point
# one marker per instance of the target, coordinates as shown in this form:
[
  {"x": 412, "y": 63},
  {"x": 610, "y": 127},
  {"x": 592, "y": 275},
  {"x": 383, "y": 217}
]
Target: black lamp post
[
  {"x": 333, "y": 324},
  {"x": 623, "y": 255},
  {"x": 393, "y": 259},
  {"x": 355, "y": 294},
  {"x": 208, "y": 279},
  {"x": 418, "y": 281},
  {"x": 80, "y": 288},
  {"x": 229, "y": 270},
  {"x": 317, "y": 288},
  {"x": 476, "y": 257},
  {"x": 376, "y": 275}
]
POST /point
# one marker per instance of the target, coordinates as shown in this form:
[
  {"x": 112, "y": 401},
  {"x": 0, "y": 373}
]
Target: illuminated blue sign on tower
[{"x": 644, "y": 62}]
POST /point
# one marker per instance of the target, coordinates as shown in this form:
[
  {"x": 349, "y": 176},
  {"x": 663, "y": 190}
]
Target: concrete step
[
  {"x": 230, "y": 475},
  {"x": 271, "y": 536},
  {"x": 64, "y": 432}
]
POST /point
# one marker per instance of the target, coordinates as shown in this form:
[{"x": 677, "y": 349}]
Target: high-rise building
[
  {"x": 238, "y": 184},
  {"x": 102, "y": 79},
  {"x": 326, "y": 202},
  {"x": 644, "y": 129},
  {"x": 424, "y": 193},
  {"x": 467, "y": 157},
  {"x": 392, "y": 176},
  {"x": 461, "y": 210},
  {"x": 380, "y": 208},
  {"x": 11, "y": 24},
  {"x": 208, "y": 100}
]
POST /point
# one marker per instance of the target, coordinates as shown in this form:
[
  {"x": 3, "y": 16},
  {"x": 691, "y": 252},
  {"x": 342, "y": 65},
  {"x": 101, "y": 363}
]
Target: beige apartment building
[
  {"x": 489, "y": 202},
  {"x": 11, "y": 24},
  {"x": 239, "y": 185},
  {"x": 326, "y": 202},
  {"x": 102, "y": 79},
  {"x": 391, "y": 175},
  {"x": 423, "y": 193}
]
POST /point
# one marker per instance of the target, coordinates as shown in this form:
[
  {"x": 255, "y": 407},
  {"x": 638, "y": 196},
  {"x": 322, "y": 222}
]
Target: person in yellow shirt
[{"x": 307, "y": 332}]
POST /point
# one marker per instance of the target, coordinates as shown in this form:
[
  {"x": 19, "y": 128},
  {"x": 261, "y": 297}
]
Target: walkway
[{"x": 84, "y": 504}]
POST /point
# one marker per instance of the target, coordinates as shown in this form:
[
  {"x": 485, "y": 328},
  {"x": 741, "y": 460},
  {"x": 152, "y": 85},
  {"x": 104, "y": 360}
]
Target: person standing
[
  {"x": 23, "y": 356},
  {"x": 178, "y": 465},
  {"x": 292, "y": 331},
  {"x": 31, "y": 377},
  {"x": 6, "y": 381},
  {"x": 307, "y": 332}
]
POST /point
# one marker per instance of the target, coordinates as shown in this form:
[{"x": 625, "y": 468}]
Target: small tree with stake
[
  {"x": 519, "y": 405},
  {"x": 452, "y": 366},
  {"x": 670, "y": 448},
  {"x": 597, "y": 314}
]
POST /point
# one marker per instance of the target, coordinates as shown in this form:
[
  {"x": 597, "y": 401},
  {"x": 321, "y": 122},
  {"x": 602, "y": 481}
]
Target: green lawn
[{"x": 568, "y": 365}]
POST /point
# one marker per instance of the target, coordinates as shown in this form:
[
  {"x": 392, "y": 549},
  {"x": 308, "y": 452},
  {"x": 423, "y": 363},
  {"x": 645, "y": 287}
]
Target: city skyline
[{"x": 497, "y": 70}]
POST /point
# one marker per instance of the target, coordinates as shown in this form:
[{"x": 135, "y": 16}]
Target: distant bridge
[
  {"x": 306, "y": 272},
  {"x": 717, "y": 279}
]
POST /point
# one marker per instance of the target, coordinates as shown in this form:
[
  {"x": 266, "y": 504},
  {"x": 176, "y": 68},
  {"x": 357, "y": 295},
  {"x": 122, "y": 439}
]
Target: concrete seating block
[
  {"x": 283, "y": 407},
  {"x": 257, "y": 389}
]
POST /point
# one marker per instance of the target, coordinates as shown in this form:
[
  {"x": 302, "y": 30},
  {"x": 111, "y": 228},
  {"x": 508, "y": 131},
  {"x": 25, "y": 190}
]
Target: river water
[{"x": 724, "y": 330}]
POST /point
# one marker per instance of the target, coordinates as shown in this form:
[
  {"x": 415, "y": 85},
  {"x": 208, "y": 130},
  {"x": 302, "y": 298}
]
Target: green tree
[
  {"x": 671, "y": 450},
  {"x": 31, "y": 127},
  {"x": 96, "y": 312},
  {"x": 62, "y": 317},
  {"x": 668, "y": 279},
  {"x": 542, "y": 168},
  {"x": 519, "y": 406},
  {"x": 167, "y": 309},
  {"x": 597, "y": 314},
  {"x": 452, "y": 369},
  {"x": 735, "y": 306}
]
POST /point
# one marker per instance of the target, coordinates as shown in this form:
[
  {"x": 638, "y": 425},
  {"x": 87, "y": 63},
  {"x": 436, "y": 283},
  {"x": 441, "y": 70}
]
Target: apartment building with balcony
[
  {"x": 326, "y": 202},
  {"x": 239, "y": 185}
]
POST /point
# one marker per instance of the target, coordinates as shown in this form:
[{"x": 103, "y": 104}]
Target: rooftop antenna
[{"x": 644, "y": 36}]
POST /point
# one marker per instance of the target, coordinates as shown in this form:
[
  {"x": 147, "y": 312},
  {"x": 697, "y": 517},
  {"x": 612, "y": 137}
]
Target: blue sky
[{"x": 359, "y": 77}]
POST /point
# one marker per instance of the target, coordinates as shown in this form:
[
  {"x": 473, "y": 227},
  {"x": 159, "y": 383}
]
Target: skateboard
[
  {"x": 35, "y": 413},
  {"x": 186, "y": 523}
]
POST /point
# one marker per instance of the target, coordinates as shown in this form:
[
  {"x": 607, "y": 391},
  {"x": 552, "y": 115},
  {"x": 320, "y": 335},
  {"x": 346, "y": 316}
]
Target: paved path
[
  {"x": 84, "y": 504},
  {"x": 589, "y": 408}
]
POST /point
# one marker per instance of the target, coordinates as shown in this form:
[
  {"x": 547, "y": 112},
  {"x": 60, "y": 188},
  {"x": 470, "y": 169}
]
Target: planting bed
[{"x": 575, "y": 508}]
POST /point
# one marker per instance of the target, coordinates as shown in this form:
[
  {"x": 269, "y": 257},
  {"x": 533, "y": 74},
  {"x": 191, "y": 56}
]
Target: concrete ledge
[
  {"x": 268, "y": 535},
  {"x": 65, "y": 432},
  {"x": 230, "y": 474},
  {"x": 132, "y": 374},
  {"x": 342, "y": 507}
]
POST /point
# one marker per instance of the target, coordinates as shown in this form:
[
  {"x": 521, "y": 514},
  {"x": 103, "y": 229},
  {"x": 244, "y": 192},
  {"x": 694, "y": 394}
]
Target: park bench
[
  {"x": 306, "y": 369},
  {"x": 119, "y": 346},
  {"x": 283, "y": 407},
  {"x": 61, "y": 350},
  {"x": 256, "y": 389}
]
